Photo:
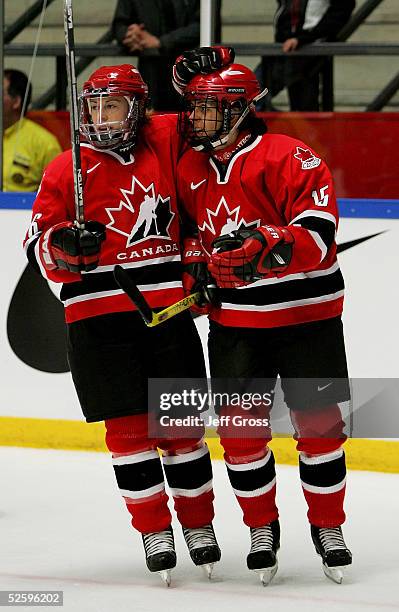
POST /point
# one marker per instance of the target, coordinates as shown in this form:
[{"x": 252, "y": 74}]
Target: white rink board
[
  {"x": 371, "y": 309},
  {"x": 370, "y": 317},
  {"x": 26, "y": 392}
]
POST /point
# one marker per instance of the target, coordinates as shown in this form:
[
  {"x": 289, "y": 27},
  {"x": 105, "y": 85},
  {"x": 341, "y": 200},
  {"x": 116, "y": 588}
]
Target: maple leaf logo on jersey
[
  {"x": 307, "y": 158},
  {"x": 149, "y": 217},
  {"x": 225, "y": 219}
]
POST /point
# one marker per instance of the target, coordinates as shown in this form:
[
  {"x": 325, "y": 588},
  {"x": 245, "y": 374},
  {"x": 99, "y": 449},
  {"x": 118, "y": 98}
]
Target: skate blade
[
  {"x": 336, "y": 574},
  {"x": 266, "y": 574},
  {"x": 166, "y": 576},
  {"x": 208, "y": 569}
]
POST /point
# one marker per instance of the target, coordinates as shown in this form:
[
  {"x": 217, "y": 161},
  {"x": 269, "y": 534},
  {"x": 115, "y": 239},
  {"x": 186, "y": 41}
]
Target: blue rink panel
[
  {"x": 348, "y": 207},
  {"x": 369, "y": 209},
  {"x": 17, "y": 201}
]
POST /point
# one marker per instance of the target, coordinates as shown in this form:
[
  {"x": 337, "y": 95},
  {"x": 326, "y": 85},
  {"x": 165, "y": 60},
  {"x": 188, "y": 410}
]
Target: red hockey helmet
[
  {"x": 216, "y": 103},
  {"x": 107, "y": 125}
]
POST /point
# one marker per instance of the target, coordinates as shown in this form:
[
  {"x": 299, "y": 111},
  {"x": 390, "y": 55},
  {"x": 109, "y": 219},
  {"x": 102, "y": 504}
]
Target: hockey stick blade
[
  {"x": 151, "y": 318},
  {"x": 176, "y": 308},
  {"x": 127, "y": 285}
]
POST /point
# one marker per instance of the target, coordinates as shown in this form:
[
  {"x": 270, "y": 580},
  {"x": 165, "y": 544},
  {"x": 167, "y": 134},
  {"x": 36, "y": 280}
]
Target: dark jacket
[
  {"x": 326, "y": 18},
  {"x": 177, "y": 24}
]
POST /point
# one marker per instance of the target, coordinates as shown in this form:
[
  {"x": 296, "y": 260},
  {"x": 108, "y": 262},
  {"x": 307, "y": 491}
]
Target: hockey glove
[
  {"x": 245, "y": 256},
  {"x": 202, "y": 60},
  {"x": 196, "y": 276},
  {"x": 66, "y": 247}
]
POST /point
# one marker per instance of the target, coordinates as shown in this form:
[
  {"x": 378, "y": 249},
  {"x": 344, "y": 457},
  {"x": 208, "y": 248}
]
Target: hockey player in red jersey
[
  {"x": 265, "y": 212},
  {"x": 129, "y": 170}
]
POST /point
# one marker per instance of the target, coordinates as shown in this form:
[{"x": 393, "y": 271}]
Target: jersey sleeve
[
  {"x": 307, "y": 201},
  {"x": 161, "y": 132},
  {"x": 53, "y": 205}
]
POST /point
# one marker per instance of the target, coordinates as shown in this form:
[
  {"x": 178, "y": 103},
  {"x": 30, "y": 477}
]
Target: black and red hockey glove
[
  {"x": 202, "y": 60},
  {"x": 245, "y": 256},
  {"x": 66, "y": 247},
  {"x": 196, "y": 276}
]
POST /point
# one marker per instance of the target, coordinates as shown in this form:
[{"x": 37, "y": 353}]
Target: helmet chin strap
[{"x": 223, "y": 140}]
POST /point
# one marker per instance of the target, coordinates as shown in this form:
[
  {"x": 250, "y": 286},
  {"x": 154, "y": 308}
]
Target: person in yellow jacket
[{"x": 27, "y": 147}]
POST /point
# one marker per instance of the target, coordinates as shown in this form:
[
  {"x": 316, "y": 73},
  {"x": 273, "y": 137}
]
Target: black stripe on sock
[
  {"x": 139, "y": 476},
  {"x": 325, "y": 474},
  {"x": 252, "y": 479},
  {"x": 190, "y": 474}
]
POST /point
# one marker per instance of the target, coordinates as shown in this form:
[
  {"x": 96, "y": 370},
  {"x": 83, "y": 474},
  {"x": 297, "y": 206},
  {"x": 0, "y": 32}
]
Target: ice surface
[{"x": 63, "y": 526}]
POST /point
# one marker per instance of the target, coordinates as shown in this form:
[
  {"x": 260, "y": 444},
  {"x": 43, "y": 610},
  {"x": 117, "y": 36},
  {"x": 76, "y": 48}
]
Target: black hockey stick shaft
[
  {"x": 74, "y": 114},
  {"x": 127, "y": 285}
]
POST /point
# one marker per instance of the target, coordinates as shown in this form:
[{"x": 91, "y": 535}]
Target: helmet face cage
[
  {"x": 206, "y": 121},
  {"x": 105, "y": 134}
]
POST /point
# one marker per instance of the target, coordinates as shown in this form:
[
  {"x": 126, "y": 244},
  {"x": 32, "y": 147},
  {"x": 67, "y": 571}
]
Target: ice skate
[
  {"x": 262, "y": 558},
  {"x": 203, "y": 547},
  {"x": 160, "y": 554},
  {"x": 330, "y": 545}
]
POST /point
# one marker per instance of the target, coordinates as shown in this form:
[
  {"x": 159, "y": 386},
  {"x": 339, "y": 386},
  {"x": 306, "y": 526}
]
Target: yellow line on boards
[
  {"x": 52, "y": 433},
  {"x": 373, "y": 455}
]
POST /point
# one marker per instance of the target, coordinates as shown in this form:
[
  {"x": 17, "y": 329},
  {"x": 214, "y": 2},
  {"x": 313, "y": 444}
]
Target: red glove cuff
[
  {"x": 194, "y": 267},
  {"x": 274, "y": 235},
  {"x": 49, "y": 253},
  {"x": 192, "y": 252},
  {"x": 226, "y": 54}
]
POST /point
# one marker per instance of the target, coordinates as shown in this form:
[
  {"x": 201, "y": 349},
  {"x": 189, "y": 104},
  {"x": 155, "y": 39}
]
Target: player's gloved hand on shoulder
[
  {"x": 196, "y": 276},
  {"x": 202, "y": 60},
  {"x": 66, "y": 247},
  {"x": 245, "y": 256}
]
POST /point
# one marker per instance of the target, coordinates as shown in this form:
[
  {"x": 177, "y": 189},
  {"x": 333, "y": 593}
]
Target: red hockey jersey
[
  {"x": 271, "y": 179},
  {"x": 136, "y": 201}
]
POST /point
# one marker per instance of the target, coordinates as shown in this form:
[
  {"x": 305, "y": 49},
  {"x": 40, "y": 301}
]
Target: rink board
[{"x": 40, "y": 408}]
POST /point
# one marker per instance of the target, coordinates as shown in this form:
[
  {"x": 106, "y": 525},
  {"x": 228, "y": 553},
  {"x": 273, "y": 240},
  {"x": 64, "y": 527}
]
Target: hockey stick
[
  {"x": 74, "y": 115},
  {"x": 151, "y": 318}
]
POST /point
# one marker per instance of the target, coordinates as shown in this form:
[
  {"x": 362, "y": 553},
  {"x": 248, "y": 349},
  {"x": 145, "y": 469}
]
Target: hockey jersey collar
[
  {"x": 120, "y": 158},
  {"x": 222, "y": 170}
]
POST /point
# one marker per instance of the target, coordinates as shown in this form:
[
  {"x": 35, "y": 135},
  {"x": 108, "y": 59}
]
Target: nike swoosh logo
[
  {"x": 195, "y": 186},
  {"x": 324, "y": 387},
  {"x": 93, "y": 168},
  {"x": 351, "y": 243}
]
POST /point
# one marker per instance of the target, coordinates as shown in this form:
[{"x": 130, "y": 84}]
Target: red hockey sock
[
  {"x": 251, "y": 471},
  {"x": 323, "y": 479},
  {"x": 188, "y": 471},
  {"x": 319, "y": 435},
  {"x": 138, "y": 472}
]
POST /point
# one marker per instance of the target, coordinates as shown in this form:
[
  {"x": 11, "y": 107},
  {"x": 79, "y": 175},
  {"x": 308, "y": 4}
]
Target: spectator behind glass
[
  {"x": 158, "y": 31},
  {"x": 27, "y": 147},
  {"x": 297, "y": 23}
]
